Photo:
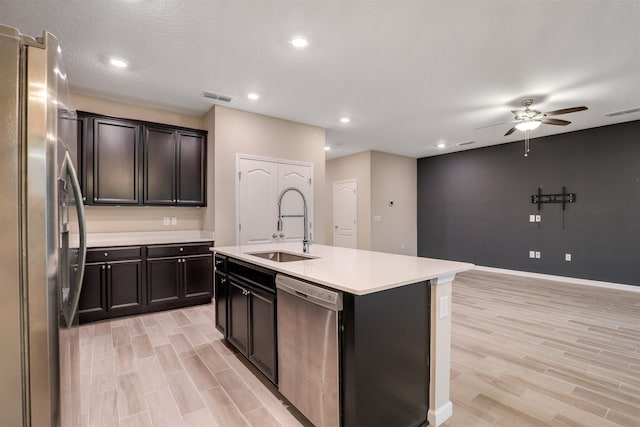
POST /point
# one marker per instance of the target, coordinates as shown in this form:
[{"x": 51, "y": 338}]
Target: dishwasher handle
[{"x": 326, "y": 298}]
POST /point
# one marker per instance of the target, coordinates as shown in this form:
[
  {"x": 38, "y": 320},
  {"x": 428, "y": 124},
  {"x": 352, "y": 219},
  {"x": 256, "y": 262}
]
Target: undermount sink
[{"x": 278, "y": 256}]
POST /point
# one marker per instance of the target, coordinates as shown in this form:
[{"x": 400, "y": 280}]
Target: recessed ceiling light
[
  {"x": 117, "y": 62},
  {"x": 441, "y": 145},
  {"x": 253, "y": 96},
  {"x": 345, "y": 119},
  {"x": 299, "y": 42},
  {"x": 327, "y": 148}
]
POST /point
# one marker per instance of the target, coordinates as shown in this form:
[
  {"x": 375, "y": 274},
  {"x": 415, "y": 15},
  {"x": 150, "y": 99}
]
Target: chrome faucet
[{"x": 305, "y": 239}]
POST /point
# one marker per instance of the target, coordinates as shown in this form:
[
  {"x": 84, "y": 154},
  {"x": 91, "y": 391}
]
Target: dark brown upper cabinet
[
  {"x": 129, "y": 162},
  {"x": 115, "y": 154},
  {"x": 174, "y": 167},
  {"x": 192, "y": 155},
  {"x": 159, "y": 166}
]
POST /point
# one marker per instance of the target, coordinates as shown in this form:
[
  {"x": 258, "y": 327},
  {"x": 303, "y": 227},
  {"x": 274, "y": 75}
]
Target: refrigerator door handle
[{"x": 74, "y": 297}]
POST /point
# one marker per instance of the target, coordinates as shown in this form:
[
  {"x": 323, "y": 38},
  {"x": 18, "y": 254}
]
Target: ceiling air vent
[
  {"x": 463, "y": 143},
  {"x": 217, "y": 96},
  {"x": 621, "y": 112}
]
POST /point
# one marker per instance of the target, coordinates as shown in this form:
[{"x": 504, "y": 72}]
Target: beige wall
[
  {"x": 103, "y": 219},
  {"x": 380, "y": 177},
  {"x": 394, "y": 178},
  {"x": 358, "y": 167},
  {"x": 241, "y": 132}
]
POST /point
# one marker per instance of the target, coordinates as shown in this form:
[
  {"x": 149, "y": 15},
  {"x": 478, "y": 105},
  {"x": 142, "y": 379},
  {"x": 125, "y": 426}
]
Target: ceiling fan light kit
[{"x": 530, "y": 119}]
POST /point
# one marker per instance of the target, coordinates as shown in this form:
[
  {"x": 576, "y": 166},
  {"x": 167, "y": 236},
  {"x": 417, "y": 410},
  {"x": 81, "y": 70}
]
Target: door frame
[{"x": 240, "y": 157}]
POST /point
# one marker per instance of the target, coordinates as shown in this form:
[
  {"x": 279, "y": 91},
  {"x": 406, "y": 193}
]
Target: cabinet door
[
  {"x": 221, "y": 297},
  {"x": 192, "y": 156},
  {"x": 163, "y": 281},
  {"x": 124, "y": 280},
  {"x": 93, "y": 297},
  {"x": 238, "y": 326},
  {"x": 159, "y": 166},
  {"x": 262, "y": 335},
  {"x": 197, "y": 276},
  {"x": 115, "y": 162}
]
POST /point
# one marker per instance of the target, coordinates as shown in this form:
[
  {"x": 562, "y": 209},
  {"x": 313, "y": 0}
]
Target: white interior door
[
  {"x": 345, "y": 210},
  {"x": 257, "y": 201},
  {"x": 260, "y": 183},
  {"x": 299, "y": 177}
]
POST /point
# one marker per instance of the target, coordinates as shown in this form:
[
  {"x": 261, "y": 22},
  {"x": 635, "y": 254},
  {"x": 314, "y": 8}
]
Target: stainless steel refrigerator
[{"x": 42, "y": 236}]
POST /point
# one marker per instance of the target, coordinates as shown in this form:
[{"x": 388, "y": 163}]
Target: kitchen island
[{"x": 395, "y": 330}]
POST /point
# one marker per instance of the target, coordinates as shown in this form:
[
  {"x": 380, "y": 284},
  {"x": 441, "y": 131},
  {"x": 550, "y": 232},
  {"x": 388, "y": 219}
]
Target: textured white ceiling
[{"x": 410, "y": 74}]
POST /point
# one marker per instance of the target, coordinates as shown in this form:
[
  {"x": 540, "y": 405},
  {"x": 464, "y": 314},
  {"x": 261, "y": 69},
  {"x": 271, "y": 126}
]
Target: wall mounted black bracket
[{"x": 563, "y": 198}]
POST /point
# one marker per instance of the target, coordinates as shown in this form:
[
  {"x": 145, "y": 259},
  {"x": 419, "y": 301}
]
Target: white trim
[
  {"x": 440, "y": 415},
  {"x": 270, "y": 159},
  {"x": 574, "y": 280}
]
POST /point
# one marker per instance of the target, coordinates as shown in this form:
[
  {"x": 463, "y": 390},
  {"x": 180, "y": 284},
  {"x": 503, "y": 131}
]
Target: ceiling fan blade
[
  {"x": 565, "y": 111},
  {"x": 510, "y": 131},
  {"x": 557, "y": 122}
]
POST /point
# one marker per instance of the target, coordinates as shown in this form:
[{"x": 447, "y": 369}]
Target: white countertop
[
  {"x": 350, "y": 270},
  {"x": 95, "y": 240}
]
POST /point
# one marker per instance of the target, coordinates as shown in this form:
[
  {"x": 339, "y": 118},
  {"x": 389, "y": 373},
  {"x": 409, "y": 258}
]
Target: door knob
[
  {"x": 274, "y": 235},
  {"x": 336, "y": 227},
  {"x": 281, "y": 234}
]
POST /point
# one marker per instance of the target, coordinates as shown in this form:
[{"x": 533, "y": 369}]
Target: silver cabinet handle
[
  {"x": 223, "y": 280},
  {"x": 106, "y": 254},
  {"x": 103, "y": 267},
  {"x": 181, "y": 249},
  {"x": 108, "y": 267}
]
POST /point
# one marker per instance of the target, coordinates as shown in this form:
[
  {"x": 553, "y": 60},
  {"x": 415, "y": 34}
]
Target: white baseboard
[
  {"x": 574, "y": 280},
  {"x": 440, "y": 415}
]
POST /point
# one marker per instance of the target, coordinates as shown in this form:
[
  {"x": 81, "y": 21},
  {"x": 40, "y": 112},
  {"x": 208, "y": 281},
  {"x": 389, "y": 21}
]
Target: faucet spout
[{"x": 305, "y": 239}]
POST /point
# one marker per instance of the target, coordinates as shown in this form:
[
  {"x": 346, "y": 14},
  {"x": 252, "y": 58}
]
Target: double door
[
  {"x": 260, "y": 185},
  {"x": 177, "y": 274},
  {"x": 113, "y": 284}
]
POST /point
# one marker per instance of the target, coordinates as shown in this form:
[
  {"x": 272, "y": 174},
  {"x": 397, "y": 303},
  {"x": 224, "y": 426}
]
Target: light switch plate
[
  {"x": 174, "y": 220},
  {"x": 532, "y": 218},
  {"x": 166, "y": 220},
  {"x": 538, "y": 218},
  {"x": 377, "y": 218},
  {"x": 537, "y": 255},
  {"x": 532, "y": 254},
  {"x": 567, "y": 257}
]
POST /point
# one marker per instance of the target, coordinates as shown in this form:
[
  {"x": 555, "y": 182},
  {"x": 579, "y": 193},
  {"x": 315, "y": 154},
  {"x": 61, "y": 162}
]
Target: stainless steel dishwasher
[{"x": 308, "y": 350}]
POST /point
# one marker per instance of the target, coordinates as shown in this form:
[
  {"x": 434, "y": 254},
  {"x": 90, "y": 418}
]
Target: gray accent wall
[{"x": 474, "y": 205}]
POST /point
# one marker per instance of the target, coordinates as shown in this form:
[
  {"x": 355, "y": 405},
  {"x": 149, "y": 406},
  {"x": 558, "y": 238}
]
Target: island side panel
[
  {"x": 385, "y": 357},
  {"x": 440, "y": 407}
]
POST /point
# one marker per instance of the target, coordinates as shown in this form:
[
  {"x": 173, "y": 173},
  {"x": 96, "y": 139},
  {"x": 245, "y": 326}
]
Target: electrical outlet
[
  {"x": 567, "y": 257},
  {"x": 377, "y": 218},
  {"x": 537, "y": 255},
  {"x": 538, "y": 218},
  {"x": 532, "y": 254},
  {"x": 532, "y": 218},
  {"x": 444, "y": 306},
  {"x": 166, "y": 221},
  {"x": 174, "y": 220}
]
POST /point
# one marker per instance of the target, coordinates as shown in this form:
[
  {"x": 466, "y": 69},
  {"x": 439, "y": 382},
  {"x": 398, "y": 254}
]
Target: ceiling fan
[{"x": 530, "y": 119}]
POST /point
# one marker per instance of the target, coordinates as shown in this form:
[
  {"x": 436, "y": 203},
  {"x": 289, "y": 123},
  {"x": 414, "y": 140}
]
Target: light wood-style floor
[{"x": 525, "y": 352}]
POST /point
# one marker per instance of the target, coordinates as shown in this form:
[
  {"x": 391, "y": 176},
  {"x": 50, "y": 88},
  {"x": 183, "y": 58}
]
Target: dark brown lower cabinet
[
  {"x": 238, "y": 316},
  {"x": 262, "y": 332},
  {"x": 179, "y": 275},
  {"x": 113, "y": 283},
  {"x": 221, "y": 292},
  {"x": 252, "y": 325},
  {"x": 120, "y": 281}
]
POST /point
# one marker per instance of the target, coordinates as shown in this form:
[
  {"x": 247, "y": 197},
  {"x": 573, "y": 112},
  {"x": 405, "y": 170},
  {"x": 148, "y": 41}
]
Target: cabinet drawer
[
  {"x": 220, "y": 263},
  {"x": 114, "y": 254},
  {"x": 161, "y": 251}
]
